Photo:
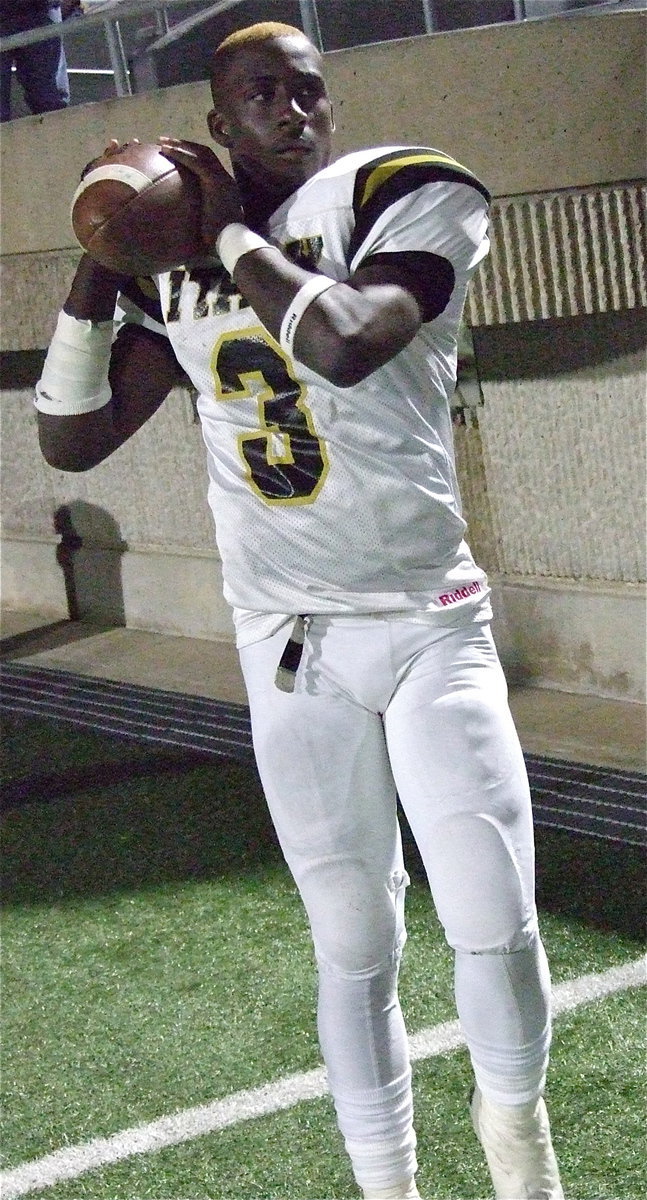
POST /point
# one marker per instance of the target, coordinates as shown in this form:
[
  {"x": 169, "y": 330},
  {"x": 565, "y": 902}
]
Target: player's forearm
[
  {"x": 344, "y": 333},
  {"x": 75, "y": 374},
  {"x": 94, "y": 291},
  {"x": 94, "y": 394},
  {"x": 269, "y": 282}
]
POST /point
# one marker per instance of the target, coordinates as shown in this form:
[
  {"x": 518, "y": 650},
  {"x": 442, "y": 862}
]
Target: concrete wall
[{"x": 551, "y": 114}]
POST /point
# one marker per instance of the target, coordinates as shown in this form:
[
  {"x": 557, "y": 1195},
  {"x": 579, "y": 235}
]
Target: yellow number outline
[{"x": 269, "y": 431}]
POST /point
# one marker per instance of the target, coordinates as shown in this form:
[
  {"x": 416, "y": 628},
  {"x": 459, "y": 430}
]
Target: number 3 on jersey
[{"x": 286, "y": 462}]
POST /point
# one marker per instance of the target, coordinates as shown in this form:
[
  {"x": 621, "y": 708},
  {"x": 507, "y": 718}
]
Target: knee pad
[
  {"x": 482, "y": 885},
  {"x": 356, "y": 917}
]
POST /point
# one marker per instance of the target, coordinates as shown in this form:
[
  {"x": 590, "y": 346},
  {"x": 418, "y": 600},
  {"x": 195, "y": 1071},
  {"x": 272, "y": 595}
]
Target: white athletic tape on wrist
[
  {"x": 236, "y": 240},
  {"x": 75, "y": 372},
  {"x": 303, "y": 299}
]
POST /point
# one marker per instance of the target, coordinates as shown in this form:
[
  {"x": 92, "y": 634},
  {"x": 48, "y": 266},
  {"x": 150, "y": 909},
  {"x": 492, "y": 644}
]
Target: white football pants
[{"x": 384, "y": 706}]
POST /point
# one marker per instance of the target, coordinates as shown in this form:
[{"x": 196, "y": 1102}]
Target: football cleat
[
  {"x": 400, "y": 1191},
  {"x": 518, "y": 1148}
]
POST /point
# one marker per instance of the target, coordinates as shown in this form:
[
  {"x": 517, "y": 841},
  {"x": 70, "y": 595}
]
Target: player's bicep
[
  {"x": 76, "y": 443},
  {"x": 400, "y": 291},
  {"x": 390, "y": 312},
  {"x": 357, "y": 327},
  {"x": 428, "y": 277}
]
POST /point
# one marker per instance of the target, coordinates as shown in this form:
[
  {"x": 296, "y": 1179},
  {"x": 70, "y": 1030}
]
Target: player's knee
[
  {"x": 482, "y": 885},
  {"x": 357, "y": 918}
]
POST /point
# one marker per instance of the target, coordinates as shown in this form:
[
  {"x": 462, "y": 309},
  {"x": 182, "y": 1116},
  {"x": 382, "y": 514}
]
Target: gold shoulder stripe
[{"x": 385, "y": 170}]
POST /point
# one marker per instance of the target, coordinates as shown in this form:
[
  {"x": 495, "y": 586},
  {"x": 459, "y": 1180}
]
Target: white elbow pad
[{"x": 75, "y": 373}]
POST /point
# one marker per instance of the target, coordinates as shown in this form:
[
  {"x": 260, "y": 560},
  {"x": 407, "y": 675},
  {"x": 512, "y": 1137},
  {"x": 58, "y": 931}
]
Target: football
[{"x": 136, "y": 213}]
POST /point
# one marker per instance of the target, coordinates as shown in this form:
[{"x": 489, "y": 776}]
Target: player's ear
[{"x": 218, "y": 128}]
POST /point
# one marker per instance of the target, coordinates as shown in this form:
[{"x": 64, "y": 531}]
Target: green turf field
[{"x": 156, "y": 958}]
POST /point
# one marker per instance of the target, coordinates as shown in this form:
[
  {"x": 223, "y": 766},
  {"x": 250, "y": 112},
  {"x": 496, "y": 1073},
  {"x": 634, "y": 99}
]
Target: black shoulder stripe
[
  {"x": 145, "y": 295},
  {"x": 428, "y": 277},
  {"x": 387, "y": 179}
]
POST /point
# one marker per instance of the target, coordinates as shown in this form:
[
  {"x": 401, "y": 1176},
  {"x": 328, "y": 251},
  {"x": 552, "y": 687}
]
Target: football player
[{"x": 320, "y": 333}]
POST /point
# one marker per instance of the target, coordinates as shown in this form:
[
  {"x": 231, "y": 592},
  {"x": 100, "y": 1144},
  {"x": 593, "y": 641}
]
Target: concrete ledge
[
  {"x": 582, "y": 637},
  {"x": 587, "y": 638},
  {"x": 170, "y": 591},
  {"x": 553, "y": 723},
  {"x": 32, "y": 579}
]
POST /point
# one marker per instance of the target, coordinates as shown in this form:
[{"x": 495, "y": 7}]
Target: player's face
[{"x": 273, "y": 113}]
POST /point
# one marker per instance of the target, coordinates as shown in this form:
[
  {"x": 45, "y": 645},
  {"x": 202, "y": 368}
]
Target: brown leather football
[{"x": 137, "y": 213}]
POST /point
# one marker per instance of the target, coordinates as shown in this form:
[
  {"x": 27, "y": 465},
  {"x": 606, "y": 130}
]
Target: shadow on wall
[
  {"x": 89, "y": 554},
  {"x": 552, "y": 347}
]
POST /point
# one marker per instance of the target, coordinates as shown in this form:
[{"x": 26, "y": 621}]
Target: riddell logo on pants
[{"x": 462, "y": 593}]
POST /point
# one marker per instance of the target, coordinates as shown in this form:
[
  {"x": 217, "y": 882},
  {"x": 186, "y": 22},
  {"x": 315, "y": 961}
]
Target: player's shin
[
  {"x": 509, "y": 1043},
  {"x": 365, "y": 1046}
]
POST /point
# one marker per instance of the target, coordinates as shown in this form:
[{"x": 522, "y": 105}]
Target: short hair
[{"x": 240, "y": 39}]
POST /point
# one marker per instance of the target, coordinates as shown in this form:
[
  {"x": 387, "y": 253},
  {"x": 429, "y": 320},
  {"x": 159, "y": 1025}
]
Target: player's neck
[{"x": 259, "y": 202}]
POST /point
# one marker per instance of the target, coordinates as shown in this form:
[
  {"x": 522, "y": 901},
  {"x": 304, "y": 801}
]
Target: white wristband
[
  {"x": 236, "y": 240},
  {"x": 75, "y": 372},
  {"x": 302, "y": 300}
]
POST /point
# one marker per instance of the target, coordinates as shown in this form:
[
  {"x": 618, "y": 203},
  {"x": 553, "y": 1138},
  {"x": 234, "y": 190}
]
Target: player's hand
[
  {"x": 113, "y": 147},
  {"x": 220, "y": 196}
]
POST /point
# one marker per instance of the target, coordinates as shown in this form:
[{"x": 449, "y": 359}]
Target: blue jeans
[{"x": 41, "y": 68}]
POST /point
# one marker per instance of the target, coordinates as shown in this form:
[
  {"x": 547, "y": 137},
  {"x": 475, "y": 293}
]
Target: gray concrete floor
[{"x": 560, "y": 724}]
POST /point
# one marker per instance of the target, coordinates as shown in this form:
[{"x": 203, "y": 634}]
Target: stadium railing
[{"x": 106, "y": 18}]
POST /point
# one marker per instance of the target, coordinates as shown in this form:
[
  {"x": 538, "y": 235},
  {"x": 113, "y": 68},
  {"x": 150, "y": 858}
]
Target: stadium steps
[{"x": 598, "y": 801}]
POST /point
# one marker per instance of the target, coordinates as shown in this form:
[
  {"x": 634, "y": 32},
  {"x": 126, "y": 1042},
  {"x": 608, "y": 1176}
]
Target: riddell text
[{"x": 462, "y": 593}]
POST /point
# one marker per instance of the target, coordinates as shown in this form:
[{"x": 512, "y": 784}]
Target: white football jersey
[{"x": 328, "y": 499}]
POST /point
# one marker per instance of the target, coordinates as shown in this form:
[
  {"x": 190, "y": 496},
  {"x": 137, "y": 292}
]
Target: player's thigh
[
  {"x": 322, "y": 756},
  {"x": 462, "y": 782},
  {"x": 323, "y": 762},
  {"x": 324, "y": 767}
]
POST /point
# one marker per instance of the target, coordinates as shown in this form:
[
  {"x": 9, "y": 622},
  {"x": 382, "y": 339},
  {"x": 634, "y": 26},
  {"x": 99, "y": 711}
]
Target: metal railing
[{"x": 107, "y": 14}]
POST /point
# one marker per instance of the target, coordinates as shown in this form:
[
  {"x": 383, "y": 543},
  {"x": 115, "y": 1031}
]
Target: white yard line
[{"x": 190, "y": 1123}]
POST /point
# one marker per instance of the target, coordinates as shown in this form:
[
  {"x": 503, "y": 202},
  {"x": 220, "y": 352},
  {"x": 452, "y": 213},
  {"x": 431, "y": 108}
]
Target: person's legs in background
[
  {"x": 6, "y": 63},
  {"x": 42, "y": 71},
  {"x": 41, "y": 68}
]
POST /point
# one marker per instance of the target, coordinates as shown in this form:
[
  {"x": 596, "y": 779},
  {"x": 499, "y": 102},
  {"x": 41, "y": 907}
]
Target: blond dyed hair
[{"x": 240, "y": 39}]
